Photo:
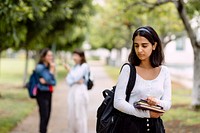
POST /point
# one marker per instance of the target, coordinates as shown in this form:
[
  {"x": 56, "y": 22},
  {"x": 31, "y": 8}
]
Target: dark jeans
[{"x": 44, "y": 103}]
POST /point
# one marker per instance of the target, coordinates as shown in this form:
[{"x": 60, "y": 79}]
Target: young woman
[
  {"x": 152, "y": 84},
  {"x": 78, "y": 94},
  {"x": 45, "y": 70}
]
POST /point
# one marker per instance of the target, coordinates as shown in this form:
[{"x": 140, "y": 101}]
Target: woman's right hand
[
  {"x": 52, "y": 64},
  {"x": 52, "y": 67},
  {"x": 66, "y": 66},
  {"x": 154, "y": 114}
]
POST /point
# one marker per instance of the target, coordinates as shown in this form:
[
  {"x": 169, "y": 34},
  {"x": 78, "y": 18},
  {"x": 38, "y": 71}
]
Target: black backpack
[
  {"x": 90, "y": 82},
  {"x": 107, "y": 115},
  {"x": 32, "y": 85}
]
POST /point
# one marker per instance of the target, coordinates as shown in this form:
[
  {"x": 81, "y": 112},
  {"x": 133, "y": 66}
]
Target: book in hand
[{"x": 142, "y": 104}]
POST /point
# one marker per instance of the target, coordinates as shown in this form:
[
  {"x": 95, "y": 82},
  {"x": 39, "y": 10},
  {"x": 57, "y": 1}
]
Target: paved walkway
[{"x": 58, "y": 120}]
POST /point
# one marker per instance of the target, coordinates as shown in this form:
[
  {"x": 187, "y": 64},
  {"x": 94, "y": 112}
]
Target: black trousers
[{"x": 44, "y": 104}]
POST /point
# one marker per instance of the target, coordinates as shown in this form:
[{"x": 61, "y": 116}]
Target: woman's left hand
[
  {"x": 151, "y": 100},
  {"x": 42, "y": 81},
  {"x": 80, "y": 81},
  {"x": 155, "y": 114}
]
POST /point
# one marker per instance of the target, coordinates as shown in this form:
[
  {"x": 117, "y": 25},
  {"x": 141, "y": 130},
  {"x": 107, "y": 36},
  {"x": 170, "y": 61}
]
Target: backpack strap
[{"x": 131, "y": 81}]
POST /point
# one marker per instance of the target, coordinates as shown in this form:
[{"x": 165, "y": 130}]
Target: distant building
[
  {"x": 179, "y": 57},
  {"x": 179, "y": 52}
]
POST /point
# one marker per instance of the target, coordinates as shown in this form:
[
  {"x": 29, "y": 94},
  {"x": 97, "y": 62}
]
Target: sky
[{"x": 100, "y": 2}]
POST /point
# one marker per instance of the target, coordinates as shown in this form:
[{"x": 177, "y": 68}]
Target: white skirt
[{"x": 77, "y": 109}]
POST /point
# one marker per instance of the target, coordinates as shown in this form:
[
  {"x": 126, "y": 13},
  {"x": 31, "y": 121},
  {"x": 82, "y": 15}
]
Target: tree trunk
[
  {"x": 196, "y": 47},
  {"x": 36, "y": 57},
  {"x": 186, "y": 22},
  {"x": 26, "y": 68},
  {"x": 196, "y": 82},
  {"x": 0, "y": 71},
  {"x": 0, "y": 63}
]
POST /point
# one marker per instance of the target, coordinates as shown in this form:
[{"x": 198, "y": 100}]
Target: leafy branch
[{"x": 149, "y": 5}]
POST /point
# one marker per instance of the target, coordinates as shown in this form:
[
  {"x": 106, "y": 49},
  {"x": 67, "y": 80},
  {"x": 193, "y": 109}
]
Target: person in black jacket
[{"x": 45, "y": 70}]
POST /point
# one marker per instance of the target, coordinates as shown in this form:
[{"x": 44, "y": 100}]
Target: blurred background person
[
  {"x": 45, "y": 70},
  {"x": 78, "y": 94}
]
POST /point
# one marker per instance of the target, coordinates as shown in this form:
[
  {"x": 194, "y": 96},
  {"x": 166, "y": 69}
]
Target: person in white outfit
[{"x": 77, "y": 94}]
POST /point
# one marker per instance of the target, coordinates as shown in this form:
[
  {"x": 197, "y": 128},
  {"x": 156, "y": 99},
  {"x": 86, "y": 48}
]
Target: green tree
[
  {"x": 12, "y": 31},
  {"x": 34, "y": 24},
  {"x": 12, "y": 13},
  {"x": 62, "y": 25},
  {"x": 113, "y": 26},
  {"x": 106, "y": 28}
]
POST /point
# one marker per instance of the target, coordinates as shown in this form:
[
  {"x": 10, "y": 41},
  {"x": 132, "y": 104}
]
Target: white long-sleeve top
[
  {"x": 159, "y": 88},
  {"x": 77, "y": 73}
]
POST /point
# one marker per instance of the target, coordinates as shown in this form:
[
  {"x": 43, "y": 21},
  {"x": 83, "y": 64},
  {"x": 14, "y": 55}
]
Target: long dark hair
[
  {"x": 43, "y": 53},
  {"x": 81, "y": 54},
  {"x": 157, "y": 56}
]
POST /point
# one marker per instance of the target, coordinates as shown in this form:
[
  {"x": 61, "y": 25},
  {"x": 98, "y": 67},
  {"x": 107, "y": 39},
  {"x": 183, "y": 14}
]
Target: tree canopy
[
  {"x": 113, "y": 25},
  {"x": 33, "y": 24}
]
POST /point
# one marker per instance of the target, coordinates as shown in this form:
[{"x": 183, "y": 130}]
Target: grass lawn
[
  {"x": 181, "y": 117},
  {"x": 14, "y": 101},
  {"x": 15, "y": 104},
  {"x": 11, "y": 71}
]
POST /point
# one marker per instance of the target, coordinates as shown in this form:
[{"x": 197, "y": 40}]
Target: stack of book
[{"x": 142, "y": 104}]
